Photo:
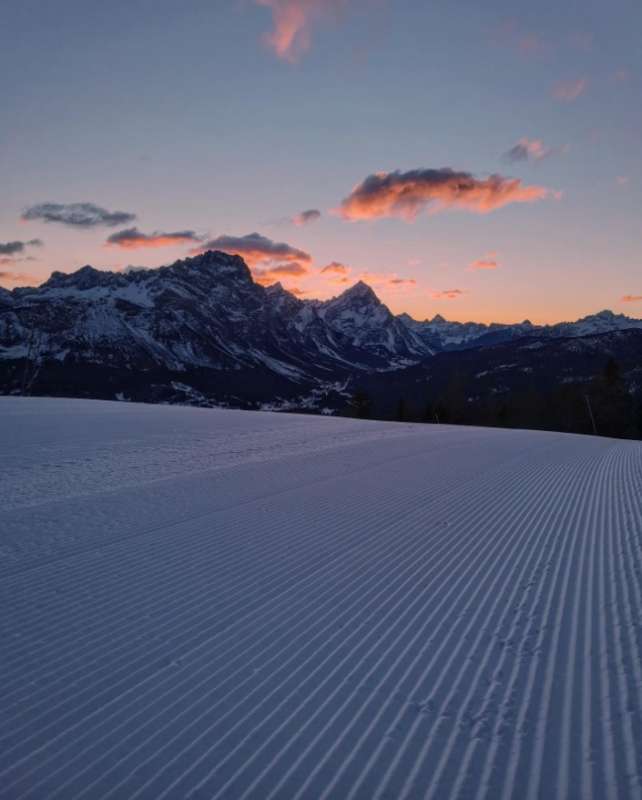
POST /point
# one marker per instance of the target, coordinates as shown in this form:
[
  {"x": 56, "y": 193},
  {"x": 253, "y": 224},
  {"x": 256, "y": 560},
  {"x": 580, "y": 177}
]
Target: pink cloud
[
  {"x": 488, "y": 262},
  {"x": 292, "y": 24},
  {"x": 405, "y": 194},
  {"x": 529, "y": 150},
  {"x": 306, "y": 217},
  {"x": 386, "y": 280},
  {"x": 335, "y": 268},
  {"x": 632, "y": 298},
  {"x": 569, "y": 91},
  {"x": 447, "y": 294}
]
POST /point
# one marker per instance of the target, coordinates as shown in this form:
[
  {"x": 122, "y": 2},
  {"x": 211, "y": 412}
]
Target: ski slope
[{"x": 221, "y": 604}]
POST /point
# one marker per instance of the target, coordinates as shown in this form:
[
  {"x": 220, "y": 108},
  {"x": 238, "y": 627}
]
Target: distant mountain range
[{"x": 202, "y": 331}]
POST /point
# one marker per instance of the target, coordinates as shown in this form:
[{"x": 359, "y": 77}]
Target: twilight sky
[{"x": 478, "y": 160}]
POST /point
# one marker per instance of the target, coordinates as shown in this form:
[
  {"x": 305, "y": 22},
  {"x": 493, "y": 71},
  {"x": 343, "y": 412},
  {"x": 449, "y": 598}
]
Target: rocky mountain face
[{"x": 204, "y": 326}]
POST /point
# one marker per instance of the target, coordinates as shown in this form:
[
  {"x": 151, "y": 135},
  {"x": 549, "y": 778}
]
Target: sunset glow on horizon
[{"x": 332, "y": 141}]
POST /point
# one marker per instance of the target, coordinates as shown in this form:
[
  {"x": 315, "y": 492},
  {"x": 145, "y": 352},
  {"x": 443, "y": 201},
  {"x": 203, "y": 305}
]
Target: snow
[{"x": 209, "y": 603}]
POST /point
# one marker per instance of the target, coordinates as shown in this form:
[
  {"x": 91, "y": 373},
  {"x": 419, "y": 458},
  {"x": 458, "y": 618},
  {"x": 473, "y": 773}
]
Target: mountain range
[{"x": 202, "y": 331}]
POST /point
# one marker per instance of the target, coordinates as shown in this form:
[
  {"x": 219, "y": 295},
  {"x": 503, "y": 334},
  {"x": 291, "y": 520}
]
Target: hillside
[{"x": 209, "y": 603}]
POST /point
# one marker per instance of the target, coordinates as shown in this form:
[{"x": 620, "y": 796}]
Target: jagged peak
[
  {"x": 438, "y": 320},
  {"x": 86, "y": 277},
  {"x": 359, "y": 291},
  {"x": 214, "y": 261}
]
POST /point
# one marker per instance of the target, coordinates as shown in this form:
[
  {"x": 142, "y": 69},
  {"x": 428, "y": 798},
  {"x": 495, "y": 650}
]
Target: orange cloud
[
  {"x": 335, "y": 268},
  {"x": 402, "y": 281},
  {"x": 390, "y": 280},
  {"x": 405, "y": 194},
  {"x": 293, "y": 21},
  {"x": 447, "y": 294},
  {"x": 273, "y": 273},
  {"x": 257, "y": 249},
  {"x": 632, "y": 298},
  {"x": 568, "y": 91},
  {"x": 293, "y": 268},
  {"x": 133, "y": 239},
  {"x": 488, "y": 262}
]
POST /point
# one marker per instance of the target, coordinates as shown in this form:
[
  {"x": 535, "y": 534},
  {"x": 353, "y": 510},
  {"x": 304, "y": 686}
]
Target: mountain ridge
[{"x": 205, "y": 314}]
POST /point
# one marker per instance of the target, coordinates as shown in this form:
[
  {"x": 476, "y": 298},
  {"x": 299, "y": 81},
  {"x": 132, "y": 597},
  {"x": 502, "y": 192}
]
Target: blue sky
[{"x": 187, "y": 116}]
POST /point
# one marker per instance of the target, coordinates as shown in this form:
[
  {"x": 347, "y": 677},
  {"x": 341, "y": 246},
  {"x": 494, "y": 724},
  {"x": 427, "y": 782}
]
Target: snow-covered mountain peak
[
  {"x": 86, "y": 277},
  {"x": 360, "y": 292}
]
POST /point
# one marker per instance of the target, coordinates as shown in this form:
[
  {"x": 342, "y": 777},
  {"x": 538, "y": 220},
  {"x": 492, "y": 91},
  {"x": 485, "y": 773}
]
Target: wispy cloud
[
  {"x": 405, "y": 194},
  {"x": 447, "y": 294},
  {"x": 569, "y": 91},
  {"x": 293, "y": 21},
  {"x": 15, "y": 247},
  {"x": 77, "y": 215},
  {"x": 335, "y": 268},
  {"x": 632, "y": 298},
  {"x": 278, "y": 272},
  {"x": 388, "y": 280},
  {"x": 489, "y": 261},
  {"x": 257, "y": 249},
  {"x": 133, "y": 239},
  {"x": 528, "y": 150},
  {"x": 402, "y": 282},
  {"x": 512, "y": 35},
  {"x": 622, "y": 180},
  {"x": 306, "y": 217}
]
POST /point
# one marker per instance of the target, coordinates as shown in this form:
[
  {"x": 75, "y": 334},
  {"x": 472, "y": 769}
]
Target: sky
[{"x": 482, "y": 161}]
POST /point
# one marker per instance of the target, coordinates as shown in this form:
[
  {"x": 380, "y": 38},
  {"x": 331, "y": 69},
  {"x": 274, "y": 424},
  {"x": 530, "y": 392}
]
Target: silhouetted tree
[{"x": 362, "y": 404}]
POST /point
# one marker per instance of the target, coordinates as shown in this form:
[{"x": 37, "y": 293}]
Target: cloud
[
  {"x": 489, "y": 261},
  {"x": 386, "y": 280},
  {"x": 291, "y": 268},
  {"x": 622, "y": 75},
  {"x": 528, "y": 150},
  {"x": 133, "y": 239},
  {"x": 305, "y": 217},
  {"x": 335, "y": 268},
  {"x": 12, "y": 248},
  {"x": 257, "y": 249},
  {"x": 632, "y": 298},
  {"x": 405, "y": 194},
  {"x": 77, "y": 215},
  {"x": 527, "y": 43},
  {"x": 293, "y": 21},
  {"x": 568, "y": 91},
  {"x": 278, "y": 272},
  {"x": 622, "y": 180},
  {"x": 402, "y": 282},
  {"x": 447, "y": 294}
]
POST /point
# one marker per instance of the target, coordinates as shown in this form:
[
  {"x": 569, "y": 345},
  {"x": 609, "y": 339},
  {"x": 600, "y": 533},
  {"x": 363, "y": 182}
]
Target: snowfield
[{"x": 223, "y": 604}]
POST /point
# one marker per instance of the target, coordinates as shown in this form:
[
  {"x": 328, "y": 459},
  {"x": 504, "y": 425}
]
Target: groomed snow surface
[{"x": 219, "y": 604}]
